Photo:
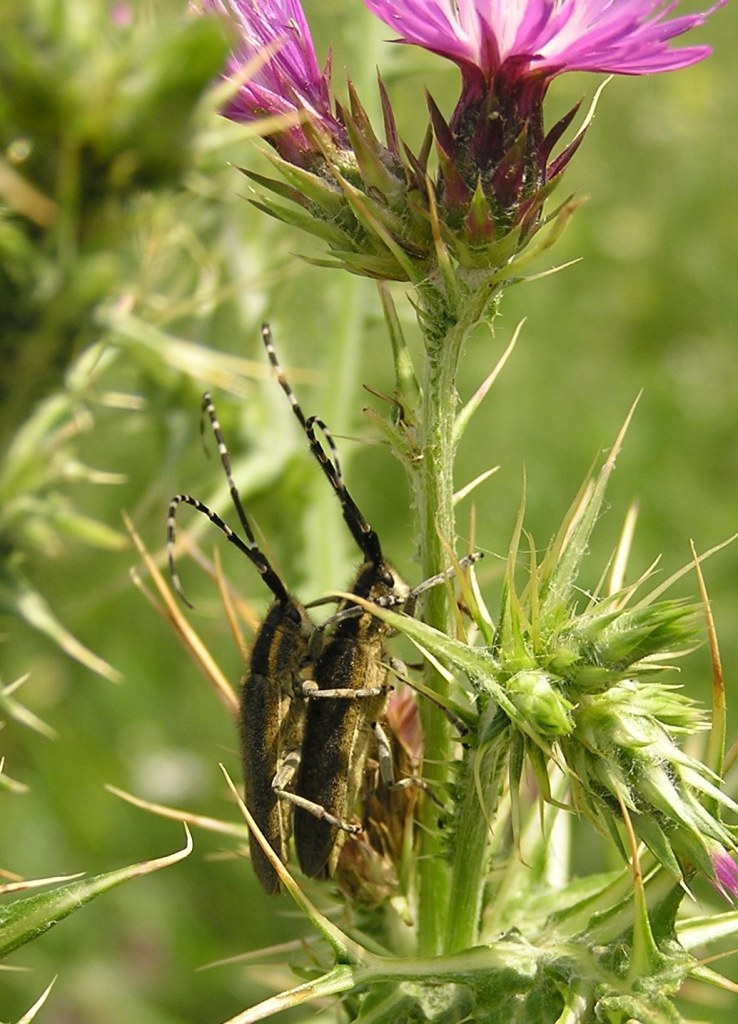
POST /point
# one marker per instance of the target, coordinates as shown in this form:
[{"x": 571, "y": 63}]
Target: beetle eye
[{"x": 293, "y": 614}]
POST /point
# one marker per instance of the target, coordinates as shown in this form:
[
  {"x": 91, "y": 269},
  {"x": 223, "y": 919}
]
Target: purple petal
[
  {"x": 627, "y": 37},
  {"x": 289, "y": 79},
  {"x": 726, "y": 873}
]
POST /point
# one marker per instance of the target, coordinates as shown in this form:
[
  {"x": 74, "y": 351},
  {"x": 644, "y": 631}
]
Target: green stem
[
  {"x": 433, "y": 493},
  {"x": 483, "y": 774},
  {"x": 449, "y": 896}
]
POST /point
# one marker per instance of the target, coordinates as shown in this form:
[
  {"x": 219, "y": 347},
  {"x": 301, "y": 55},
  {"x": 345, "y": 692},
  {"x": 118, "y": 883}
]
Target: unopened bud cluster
[{"x": 579, "y": 689}]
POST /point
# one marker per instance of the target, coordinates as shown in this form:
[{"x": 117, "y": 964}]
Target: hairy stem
[
  {"x": 433, "y": 493},
  {"x": 449, "y": 895}
]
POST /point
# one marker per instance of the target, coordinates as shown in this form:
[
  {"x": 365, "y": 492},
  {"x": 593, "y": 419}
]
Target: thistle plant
[
  {"x": 562, "y": 689},
  {"x": 550, "y": 705}
]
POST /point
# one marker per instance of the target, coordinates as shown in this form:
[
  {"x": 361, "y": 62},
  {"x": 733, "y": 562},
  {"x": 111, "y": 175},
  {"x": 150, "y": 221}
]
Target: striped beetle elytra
[{"x": 272, "y": 704}]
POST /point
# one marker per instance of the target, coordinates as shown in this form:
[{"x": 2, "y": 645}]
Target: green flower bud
[{"x": 540, "y": 703}]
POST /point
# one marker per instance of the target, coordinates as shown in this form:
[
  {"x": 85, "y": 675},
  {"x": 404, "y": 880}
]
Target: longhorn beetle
[
  {"x": 272, "y": 706},
  {"x": 349, "y": 675}
]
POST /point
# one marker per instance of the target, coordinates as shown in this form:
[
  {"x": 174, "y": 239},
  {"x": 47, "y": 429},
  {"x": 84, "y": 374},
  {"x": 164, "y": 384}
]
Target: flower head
[
  {"x": 496, "y": 168},
  {"x": 628, "y": 37},
  {"x": 286, "y": 80}
]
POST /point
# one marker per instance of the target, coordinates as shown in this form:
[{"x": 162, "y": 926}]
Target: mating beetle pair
[{"x": 310, "y": 693}]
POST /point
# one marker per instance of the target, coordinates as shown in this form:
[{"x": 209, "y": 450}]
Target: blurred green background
[{"x": 156, "y": 259}]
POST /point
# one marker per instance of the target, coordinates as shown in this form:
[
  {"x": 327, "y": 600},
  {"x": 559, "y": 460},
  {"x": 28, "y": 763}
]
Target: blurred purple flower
[
  {"x": 288, "y": 82},
  {"x": 121, "y": 15},
  {"x": 726, "y": 873},
  {"x": 530, "y": 37}
]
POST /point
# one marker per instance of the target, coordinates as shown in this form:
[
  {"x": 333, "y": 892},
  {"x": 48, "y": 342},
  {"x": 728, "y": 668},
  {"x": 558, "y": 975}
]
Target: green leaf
[
  {"x": 13, "y": 708},
  {"x": 30, "y": 1014},
  {"x": 340, "y": 979},
  {"x": 699, "y": 931},
  {"x": 19, "y": 597},
  {"x": 307, "y": 186},
  {"x": 26, "y": 919},
  {"x": 299, "y": 218},
  {"x": 565, "y": 556}
]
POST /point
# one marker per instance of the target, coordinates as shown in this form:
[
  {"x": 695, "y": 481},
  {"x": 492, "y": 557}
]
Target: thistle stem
[
  {"x": 470, "y": 863},
  {"x": 449, "y": 896},
  {"x": 433, "y": 492}
]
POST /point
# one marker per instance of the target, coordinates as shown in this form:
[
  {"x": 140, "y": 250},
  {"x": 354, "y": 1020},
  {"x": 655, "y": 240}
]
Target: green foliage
[
  {"x": 24, "y": 920},
  {"x": 95, "y": 107},
  {"x": 97, "y": 113}
]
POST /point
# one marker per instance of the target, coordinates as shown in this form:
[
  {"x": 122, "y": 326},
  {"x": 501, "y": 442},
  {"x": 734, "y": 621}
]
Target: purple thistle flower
[
  {"x": 726, "y": 873},
  {"x": 533, "y": 37},
  {"x": 289, "y": 81},
  {"x": 495, "y": 142}
]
